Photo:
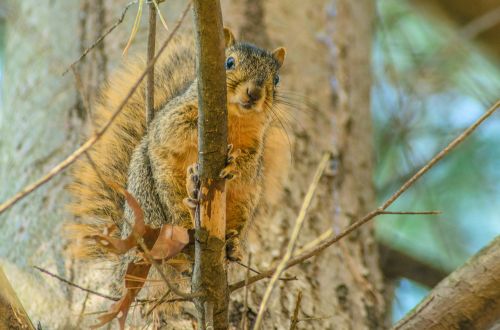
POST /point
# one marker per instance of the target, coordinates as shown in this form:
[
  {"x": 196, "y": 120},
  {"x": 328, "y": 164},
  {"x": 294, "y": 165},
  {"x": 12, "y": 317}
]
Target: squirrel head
[{"x": 252, "y": 75}]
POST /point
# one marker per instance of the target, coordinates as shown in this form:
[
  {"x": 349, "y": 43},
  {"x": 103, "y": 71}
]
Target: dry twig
[
  {"x": 101, "y": 38},
  {"x": 62, "y": 279},
  {"x": 244, "y": 318},
  {"x": 295, "y": 317}
]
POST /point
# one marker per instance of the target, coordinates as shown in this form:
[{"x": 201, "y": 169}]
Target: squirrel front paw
[
  {"x": 192, "y": 187},
  {"x": 233, "y": 246},
  {"x": 230, "y": 171}
]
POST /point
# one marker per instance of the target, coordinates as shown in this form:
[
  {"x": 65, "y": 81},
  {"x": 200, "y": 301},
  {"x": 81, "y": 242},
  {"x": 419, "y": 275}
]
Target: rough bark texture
[
  {"x": 40, "y": 124},
  {"x": 38, "y": 127},
  {"x": 341, "y": 286},
  {"x": 469, "y": 298},
  {"x": 210, "y": 274},
  {"x": 12, "y": 313}
]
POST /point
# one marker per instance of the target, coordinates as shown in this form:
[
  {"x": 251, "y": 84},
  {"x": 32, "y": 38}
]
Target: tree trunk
[
  {"x": 328, "y": 66},
  {"x": 41, "y": 123}
]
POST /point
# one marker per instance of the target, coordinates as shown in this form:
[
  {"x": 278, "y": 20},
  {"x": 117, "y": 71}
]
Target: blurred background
[{"x": 436, "y": 69}]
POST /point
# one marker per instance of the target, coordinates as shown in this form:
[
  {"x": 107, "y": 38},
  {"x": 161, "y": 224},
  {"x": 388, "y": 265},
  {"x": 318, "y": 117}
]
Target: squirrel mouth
[{"x": 247, "y": 105}]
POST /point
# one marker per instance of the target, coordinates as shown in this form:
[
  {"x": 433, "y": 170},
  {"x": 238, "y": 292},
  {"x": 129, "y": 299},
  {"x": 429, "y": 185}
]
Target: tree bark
[
  {"x": 328, "y": 66},
  {"x": 210, "y": 274},
  {"x": 40, "y": 124},
  {"x": 12, "y": 313},
  {"x": 469, "y": 298}
]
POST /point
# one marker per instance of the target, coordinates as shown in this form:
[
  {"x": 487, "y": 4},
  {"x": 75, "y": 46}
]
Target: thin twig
[
  {"x": 295, "y": 317},
  {"x": 101, "y": 38},
  {"x": 95, "y": 137},
  {"x": 82, "y": 310},
  {"x": 412, "y": 212},
  {"x": 76, "y": 285},
  {"x": 158, "y": 302},
  {"x": 245, "y": 295},
  {"x": 150, "y": 82},
  {"x": 293, "y": 239},
  {"x": 81, "y": 90},
  {"x": 329, "y": 240},
  {"x": 253, "y": 270}
]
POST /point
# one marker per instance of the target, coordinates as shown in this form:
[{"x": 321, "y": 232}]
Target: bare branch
[
  {"x": 12, "y": 313},
  {"x": 209, "y": 272},
  {"x": 469, "y": 298},
  {"x": 62, "y": 279},
  {"x": 244, "y": 317},
  {"x": 101, "y": 38},
  {"x": 253, "y": 270},
  {"x": 329, "y": 239},
  {"x": 95, "y": 137},
  {"x": 150, "y": 83},
  {"x": 295, "y": 317}
]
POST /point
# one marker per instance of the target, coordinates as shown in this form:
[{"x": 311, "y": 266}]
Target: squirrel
[{"x": 155, "y": 163}]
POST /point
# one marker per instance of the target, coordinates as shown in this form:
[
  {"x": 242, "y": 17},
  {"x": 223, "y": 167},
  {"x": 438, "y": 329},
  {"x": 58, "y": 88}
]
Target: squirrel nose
[{"x": 254, "y": 93}]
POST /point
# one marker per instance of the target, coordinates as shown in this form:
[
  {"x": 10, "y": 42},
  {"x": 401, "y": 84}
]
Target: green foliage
[{"x": 430, "y": 84}]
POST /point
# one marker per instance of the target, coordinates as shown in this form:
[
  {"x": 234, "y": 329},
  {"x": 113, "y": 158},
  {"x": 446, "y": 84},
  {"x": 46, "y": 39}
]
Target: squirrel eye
[
  {"x": 276, "y": 80},
  {"x": 230, "y": 63}
]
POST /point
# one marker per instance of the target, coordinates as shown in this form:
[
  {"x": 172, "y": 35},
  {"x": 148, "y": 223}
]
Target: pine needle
[
  {"x": 135, "y": 28},
  {"x": 155, "y": 2}
]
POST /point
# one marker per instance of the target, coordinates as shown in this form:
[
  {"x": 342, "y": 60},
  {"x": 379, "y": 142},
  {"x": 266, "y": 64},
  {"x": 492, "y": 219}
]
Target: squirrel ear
[
  {"x": 229, "y": 37},
  {"x": 279, "y": 54}
]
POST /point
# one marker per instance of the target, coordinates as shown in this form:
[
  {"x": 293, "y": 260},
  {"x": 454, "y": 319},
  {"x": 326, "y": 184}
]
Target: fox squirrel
[{"x": 153, "y": 165}]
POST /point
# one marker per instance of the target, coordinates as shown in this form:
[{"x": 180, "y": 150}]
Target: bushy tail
[{"x": 96, "y": 205}]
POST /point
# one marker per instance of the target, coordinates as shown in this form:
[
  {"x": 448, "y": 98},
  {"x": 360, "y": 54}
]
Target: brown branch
[
  {"x": 12, "y": 313},
  {"x": 469, "y": 298},
  {"x": 150, "y": 83},
  {"x": 396, "y": 264},
  {"x": 412, "y": 212},
  {"x": 253, "y": 270},
  {"x": 244, "y": 317},
  {"x": 96, "y": 136},
  {"x": 295, "y": 317},
  {"x": 101, "y": 38},
  {"x": 209, "y": 271},
  {"x": 293, "y": 239},
  {"x": 329, "y": 240}
]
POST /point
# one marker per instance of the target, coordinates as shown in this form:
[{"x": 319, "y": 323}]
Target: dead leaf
[
  {"x": 135, "y": 277},
  {"x": 171, "y": 241}
]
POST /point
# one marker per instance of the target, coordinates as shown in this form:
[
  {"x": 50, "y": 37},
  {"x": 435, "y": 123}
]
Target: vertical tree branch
[
  {"x": 209, "y": 274},
  {"x": 12, "y": 313},
  {"x": 150, "y": 83}
]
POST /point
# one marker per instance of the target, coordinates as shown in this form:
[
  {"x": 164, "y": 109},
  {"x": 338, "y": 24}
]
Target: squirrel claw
[
  {"x": 233, "y": 246},
  {"x": 230, "y": 171},
  {"x": 192, "y": 181},
  {"x": 191, "y": 203}
]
